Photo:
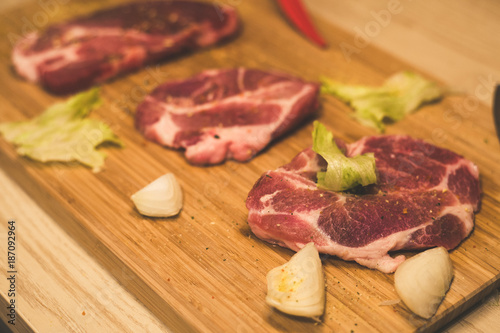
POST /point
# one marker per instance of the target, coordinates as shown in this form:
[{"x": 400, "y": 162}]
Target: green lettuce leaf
[
  {"x": 401, "y": 94},
  {"x": 63, "y": 133},
  {"x": 342, "y": 172}
]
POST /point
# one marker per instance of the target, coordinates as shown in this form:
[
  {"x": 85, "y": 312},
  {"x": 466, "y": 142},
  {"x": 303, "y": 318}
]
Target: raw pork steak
[
  {"x": 225, "y": 113},
  {"x": 426, "y": 196},
  {"x": 75, "y": 55}
]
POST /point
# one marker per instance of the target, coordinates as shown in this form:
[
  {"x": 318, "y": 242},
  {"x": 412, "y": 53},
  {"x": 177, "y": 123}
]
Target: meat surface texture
[
  {"x": 225, "y": 113},
  {"x": 426, "y": 196},
  {"x": 75, "y": 55}
]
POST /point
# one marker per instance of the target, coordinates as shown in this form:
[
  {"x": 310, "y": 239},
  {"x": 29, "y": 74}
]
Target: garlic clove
[
  {"x": 423, "y": 281},
  {"x": 160, "y": 198},
  {"x": 298, "y": 286}
]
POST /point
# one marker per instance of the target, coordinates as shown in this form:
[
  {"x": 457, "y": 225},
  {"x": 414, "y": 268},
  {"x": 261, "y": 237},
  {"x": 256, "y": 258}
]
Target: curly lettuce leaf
[
  {"x": 401, "y": 94},
  {"x": 342, "y": 172},
  {"x": 63, "y": 133}
]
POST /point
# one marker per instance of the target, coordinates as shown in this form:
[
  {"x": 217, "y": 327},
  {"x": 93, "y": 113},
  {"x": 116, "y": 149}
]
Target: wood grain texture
[
  {"x": 204, "y": 270},
  {"x": 54, "y": 291}
]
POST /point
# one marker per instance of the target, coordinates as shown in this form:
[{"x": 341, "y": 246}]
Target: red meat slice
[
  {"x": 225, "y": 113},
  {"x": 72, "y": 56},
  {"x": 426, "y": 196}
]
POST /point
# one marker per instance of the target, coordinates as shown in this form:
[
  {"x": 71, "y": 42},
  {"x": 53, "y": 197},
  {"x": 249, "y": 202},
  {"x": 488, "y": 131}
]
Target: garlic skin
[
  {"x": 160, "y": 198},
  {"x": 298, "y": 287},
  {"x": 423, "y": 280}
]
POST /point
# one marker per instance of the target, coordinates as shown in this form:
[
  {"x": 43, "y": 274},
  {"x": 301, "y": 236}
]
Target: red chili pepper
[{"x": 296, "y": 12}]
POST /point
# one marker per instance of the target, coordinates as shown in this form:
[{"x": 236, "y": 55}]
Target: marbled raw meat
[
  {"x": 426, "y": 196},
  {"x": 225, "y": 113},
  {"x": 74, "y": 55}
]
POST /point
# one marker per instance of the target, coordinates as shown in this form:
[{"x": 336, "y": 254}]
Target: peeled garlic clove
[
  {"x": 423, "y": 280},
  {"x": 298, "y": 287},
  {"x": 161, "y": 198}
]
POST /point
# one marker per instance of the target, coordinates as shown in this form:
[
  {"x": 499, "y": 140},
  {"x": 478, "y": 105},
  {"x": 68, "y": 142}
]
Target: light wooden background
[{"x": 454, "y": 40}]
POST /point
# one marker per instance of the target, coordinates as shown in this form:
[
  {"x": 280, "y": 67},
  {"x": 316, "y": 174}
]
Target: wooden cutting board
[{"x": 204, "y": 270}]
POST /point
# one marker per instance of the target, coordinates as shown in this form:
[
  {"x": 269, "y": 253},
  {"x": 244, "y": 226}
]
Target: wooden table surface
[{"x": 454, "y": 40}]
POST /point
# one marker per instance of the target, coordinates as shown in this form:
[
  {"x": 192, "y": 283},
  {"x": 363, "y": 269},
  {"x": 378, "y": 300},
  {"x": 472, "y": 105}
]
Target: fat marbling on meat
[
  {"x": 225, "y": 113},
  {"x": 426, "y": 196},
  {"x": 74, "y": 55}
]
